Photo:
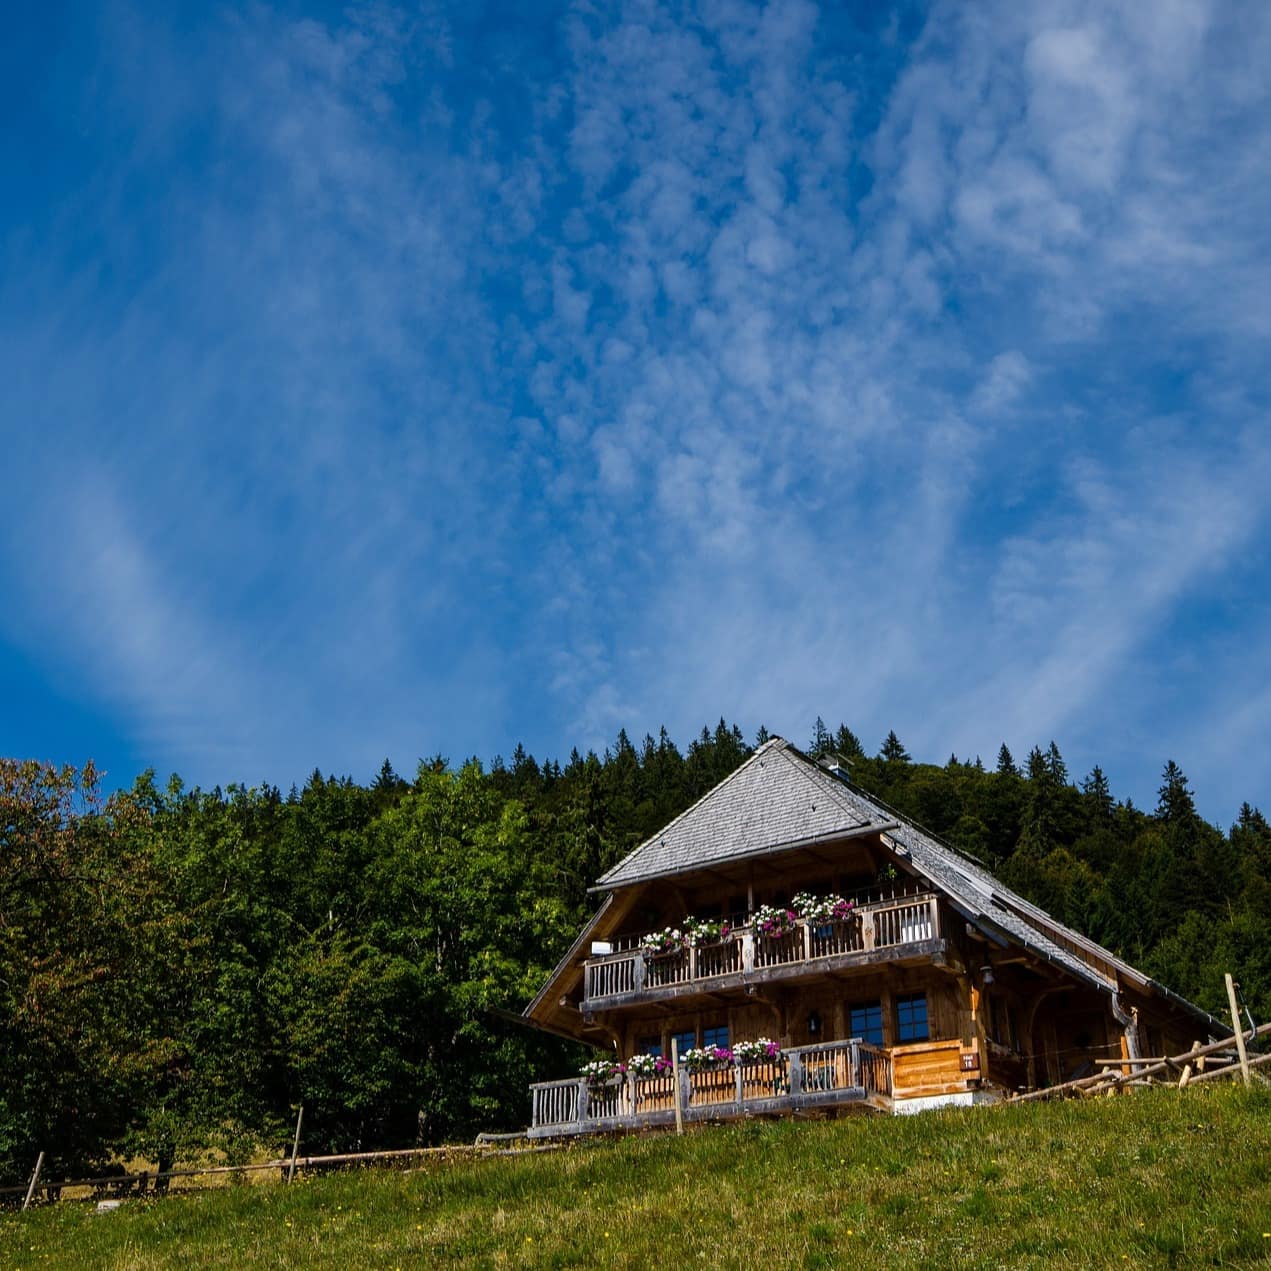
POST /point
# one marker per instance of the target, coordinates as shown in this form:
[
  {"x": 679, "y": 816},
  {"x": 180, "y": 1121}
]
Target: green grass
[{"x": 1160, "y": 1179}]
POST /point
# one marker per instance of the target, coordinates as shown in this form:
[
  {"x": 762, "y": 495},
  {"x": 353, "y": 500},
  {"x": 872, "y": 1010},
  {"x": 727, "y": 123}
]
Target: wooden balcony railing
[
  {"x": 802, "y": 1077},
  {"x": 886, "y": 924}
]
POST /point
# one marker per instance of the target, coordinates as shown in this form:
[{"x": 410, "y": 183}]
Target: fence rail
[{"x": 141, "y": 1181}]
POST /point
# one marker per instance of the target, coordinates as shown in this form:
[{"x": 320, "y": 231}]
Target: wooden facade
[{"x": 940, "y": 986}]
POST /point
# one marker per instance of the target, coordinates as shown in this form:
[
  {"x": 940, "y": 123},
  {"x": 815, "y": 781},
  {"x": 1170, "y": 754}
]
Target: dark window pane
[
  {"x": 911, "y": 1018},
  {"x": 865, "y": 1020},
  {"x": 683, "y": 1041}
]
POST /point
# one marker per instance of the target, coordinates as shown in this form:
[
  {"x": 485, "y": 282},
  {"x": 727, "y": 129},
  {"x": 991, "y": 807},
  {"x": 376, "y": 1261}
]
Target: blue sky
[{"x": 384, "y": 381}]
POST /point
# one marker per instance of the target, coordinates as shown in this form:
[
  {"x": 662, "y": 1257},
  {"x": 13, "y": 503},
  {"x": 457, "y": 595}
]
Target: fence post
[
  {"x": 1238, "y": 1028},
  {"x": 35, "y": 1178},
  {"x": 295, "y": 1146},
  {"x": 675, "y": 1077}
]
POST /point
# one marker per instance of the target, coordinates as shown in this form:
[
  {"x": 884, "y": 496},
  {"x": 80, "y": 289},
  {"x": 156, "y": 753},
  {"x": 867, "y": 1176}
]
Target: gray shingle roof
[{"x": 775, "y": 799}]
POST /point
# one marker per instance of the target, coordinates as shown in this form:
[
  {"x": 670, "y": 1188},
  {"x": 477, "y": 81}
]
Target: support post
[
  {"x": 675, "y": 1081},
  {"x": 796, "y": 1074},
  {"x": 1238, "y": 1028},
  {"x": 295, "y": 1144},
  {"x": 35, "y": 1178}
]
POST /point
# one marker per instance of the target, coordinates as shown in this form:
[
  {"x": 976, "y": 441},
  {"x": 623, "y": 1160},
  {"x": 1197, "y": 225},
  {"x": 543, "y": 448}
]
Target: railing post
[
  {"x": 807, "y": 940},
  {"x": 692, "y": 962},
  {"x": 935, "y": 917},
  {"x": 747, "y": 950},
  {"x": 796, "y": 1073},
  {"x": 631, "y": 1094},
  {"x": 637, "y": 973},
  {"x": 584, "y": 1102},
  {"x": 856, "y": 1062},
  {"x": 867, "y": 930},
  {"x": 740, "y": 1089}
]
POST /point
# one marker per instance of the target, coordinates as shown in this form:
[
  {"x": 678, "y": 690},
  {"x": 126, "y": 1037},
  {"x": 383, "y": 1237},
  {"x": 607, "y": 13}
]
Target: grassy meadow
[{"x": 1164, "y": 1178}]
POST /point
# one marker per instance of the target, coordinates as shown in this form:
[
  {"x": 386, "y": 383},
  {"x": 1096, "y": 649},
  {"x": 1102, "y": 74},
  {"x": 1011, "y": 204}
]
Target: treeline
[{"x": 180, "y": 969}]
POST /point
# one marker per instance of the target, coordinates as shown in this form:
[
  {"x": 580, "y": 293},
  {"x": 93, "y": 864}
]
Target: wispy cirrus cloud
[{"x": 453, "y": 382}]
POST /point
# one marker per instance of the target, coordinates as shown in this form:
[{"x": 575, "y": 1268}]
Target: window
[
  {"x": 649, "y": 1046},
  {"x": 715, "y": 1036},
  {"x": 865, "y": 1020},
  {"x": 911, "y": 1018},
  {"x": 680, "y": 1042}
]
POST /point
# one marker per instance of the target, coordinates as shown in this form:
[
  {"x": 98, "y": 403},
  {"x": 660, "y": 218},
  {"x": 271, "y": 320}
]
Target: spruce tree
[
  {"x": 1174, "y": 805},
  {"x": 1006, "y": 762},
  {"x": 1097, "y": 796},
  {"x": 847, "y": 744}
]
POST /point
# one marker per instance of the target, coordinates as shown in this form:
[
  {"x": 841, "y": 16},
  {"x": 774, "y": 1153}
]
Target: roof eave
[{"x": 794, "y": 845}]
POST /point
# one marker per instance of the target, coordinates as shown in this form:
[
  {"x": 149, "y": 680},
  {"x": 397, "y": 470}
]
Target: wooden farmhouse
[{"x": 935, "y": 985}]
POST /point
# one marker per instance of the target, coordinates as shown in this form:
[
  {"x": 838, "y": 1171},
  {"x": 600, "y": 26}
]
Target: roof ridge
[{"x": 836, "y": 787}]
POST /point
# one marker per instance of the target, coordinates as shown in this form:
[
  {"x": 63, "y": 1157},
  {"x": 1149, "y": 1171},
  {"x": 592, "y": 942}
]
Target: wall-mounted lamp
[
  {"x": 814, "y": 1024},
  {"x": 986, "y": 975}
]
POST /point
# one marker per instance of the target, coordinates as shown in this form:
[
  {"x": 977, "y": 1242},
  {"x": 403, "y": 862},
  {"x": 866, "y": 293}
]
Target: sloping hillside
[{"x": 1158, "y": 1179}]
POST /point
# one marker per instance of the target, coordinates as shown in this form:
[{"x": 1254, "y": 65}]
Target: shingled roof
[{"x": 775, "y": 801}]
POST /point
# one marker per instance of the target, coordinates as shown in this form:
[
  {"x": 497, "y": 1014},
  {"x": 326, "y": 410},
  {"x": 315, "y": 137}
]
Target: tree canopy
[{"x": 181, "y": 968}]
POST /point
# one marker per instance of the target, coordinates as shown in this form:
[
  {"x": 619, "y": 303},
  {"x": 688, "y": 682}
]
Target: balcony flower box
[
  {"x": 823, "y": 913},
  {"x": 772, "y": 923},
  {"x": 703, "y": 933},
  {"x": 667, "y": 943},
  {"x": 602, "y": 1073}
]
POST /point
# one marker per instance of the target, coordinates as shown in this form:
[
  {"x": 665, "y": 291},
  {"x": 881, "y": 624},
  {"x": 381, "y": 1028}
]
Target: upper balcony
[{"x": 893, "y": 930}]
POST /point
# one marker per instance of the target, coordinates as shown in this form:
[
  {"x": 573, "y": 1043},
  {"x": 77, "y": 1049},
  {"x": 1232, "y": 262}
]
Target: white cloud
[{"x": 719, "y": 372}]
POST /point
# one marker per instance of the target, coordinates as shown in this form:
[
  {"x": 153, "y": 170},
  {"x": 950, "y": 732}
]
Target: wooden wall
[{"x": 784, "y": 1015}]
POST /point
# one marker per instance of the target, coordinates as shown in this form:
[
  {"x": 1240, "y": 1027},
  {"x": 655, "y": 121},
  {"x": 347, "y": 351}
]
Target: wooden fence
[
  {"x": 1201, "y": 1063},
  {"x": 117, "y": 1186}
]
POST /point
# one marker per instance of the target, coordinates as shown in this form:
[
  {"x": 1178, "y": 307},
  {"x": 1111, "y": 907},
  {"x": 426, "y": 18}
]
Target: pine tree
[
  {"x": 1174, "y": 805},
  {"x": 762, "y": 736},
  {"x": 1055, "y": 765},
  {"x": 1097, "y": 795},
  {"x": 1006, "y": 762},
  {"x": 1037, "y": 770},
  {"x": 820, "y": 742},
  {"x": 892, "y": 750},
  {"x": 388, "y": 781},
  {"x": 847, "y": 744}
]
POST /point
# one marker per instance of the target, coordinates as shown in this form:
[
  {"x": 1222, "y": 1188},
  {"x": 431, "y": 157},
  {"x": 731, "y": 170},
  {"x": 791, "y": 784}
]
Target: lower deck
[{"x": 804, "y": 1079}]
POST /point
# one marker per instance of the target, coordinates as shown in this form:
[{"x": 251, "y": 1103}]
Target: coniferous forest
[{"x": 181, "y": 968}]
